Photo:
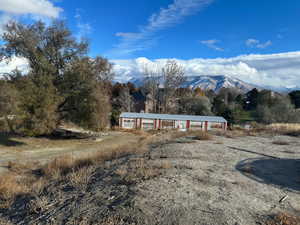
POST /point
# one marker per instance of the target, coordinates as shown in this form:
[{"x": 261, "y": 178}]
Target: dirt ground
[
  {"x": 19, "y": 149},
  {"x": 224, "y": 181}
]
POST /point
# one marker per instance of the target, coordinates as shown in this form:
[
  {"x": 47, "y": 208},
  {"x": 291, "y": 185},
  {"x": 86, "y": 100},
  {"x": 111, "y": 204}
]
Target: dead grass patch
[
  {"x": 166, "y": 165},
  {"x": 137, "y": 170},
  {"x": 201, "y": 135},
  {"x": 38, "y": 204},
  {"x": 283, "y": 219},
  {"x": 5, "y": 222},
  {"x": 81, "y": 178},
  {"x": 32, "y": 179},
  {"x": 113, "y": 220},
  {"x": 10, "y": 187},
  {"x": 19, "y": 167},
  {"x": 197, "y": 134}
]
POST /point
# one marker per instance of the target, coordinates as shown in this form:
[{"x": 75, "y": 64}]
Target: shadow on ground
[
  {"x": 7, "y": 140},
  {"x": 284, "y": 173}
]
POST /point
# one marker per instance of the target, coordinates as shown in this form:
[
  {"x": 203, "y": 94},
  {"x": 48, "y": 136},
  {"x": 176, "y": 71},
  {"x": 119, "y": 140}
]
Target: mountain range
[
  {"x": 212, "y": 82},
  {"x": 206, "y": 82}
]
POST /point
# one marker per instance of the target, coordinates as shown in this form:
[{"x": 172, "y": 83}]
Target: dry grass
[
  {"x": 197, "y": 134},
  {"x": 201, "y": 135},
  {"x": 166, "y": 165},
  {"x": 39, "y": 204},
  {"x": 137, "y": 170},
  {"x": 21, "y": 167},
  {"x": 81, "y": 178},
  {"x": 113, "y": 220},
  {"x": 10, "y": 187},
  {"x": 283, "y": 219},
  {"x": 285, "y": 126},
  {"x": 77, "y": 171},
  {"x": 280, "y": 143},
  {"x": 5, "y": 222}
]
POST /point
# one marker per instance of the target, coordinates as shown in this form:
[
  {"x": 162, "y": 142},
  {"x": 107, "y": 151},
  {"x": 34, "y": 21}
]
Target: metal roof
[{"x": 173, "y": 117}]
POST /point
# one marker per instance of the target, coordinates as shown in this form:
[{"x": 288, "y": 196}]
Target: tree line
[{"x": 63, "y": 83}]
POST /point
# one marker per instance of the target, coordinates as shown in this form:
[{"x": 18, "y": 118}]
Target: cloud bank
[
  {"x": 277, "y": 70},
  {"x": 145, "y": 37}
]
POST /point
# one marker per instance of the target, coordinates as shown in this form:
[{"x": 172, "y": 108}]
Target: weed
[
  {"x": 283, "y": 219},
  {"x": 80, "y": 178},
  {"x": 38, "y": 204}
]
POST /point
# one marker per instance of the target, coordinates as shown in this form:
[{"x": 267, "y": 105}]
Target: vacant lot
[
  {"x": 183, "y": 181},
  {"x": 224, "y": 181}
]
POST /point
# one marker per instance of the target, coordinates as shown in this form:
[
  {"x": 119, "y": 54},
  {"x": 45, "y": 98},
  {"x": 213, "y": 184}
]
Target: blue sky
[
  {"x": 255, "y": 40},
  {"x": 211, "y": 29}
]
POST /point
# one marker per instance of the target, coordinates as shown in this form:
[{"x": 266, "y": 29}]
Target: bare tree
[
  {"x": 151, "y": 84},
  {"x": 173, "y": 78},
  {"x": 125, "y": 100}
]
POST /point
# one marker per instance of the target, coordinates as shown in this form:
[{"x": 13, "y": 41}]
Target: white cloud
[
  {"x": 167, "y": 17},
  {"x": 264, "y": 45},
  {"x": 254, "y": 43},
  {"x": 7, "y": 66},
  {"x": 276, "y": 70},
  {"x": 251, "y": 42},
  {"x": 212, "y": 44},
  {"x": 35, "y": 7}
]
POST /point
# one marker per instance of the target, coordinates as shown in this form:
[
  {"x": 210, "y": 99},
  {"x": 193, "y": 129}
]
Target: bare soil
[{"x": 232, "y": 181}]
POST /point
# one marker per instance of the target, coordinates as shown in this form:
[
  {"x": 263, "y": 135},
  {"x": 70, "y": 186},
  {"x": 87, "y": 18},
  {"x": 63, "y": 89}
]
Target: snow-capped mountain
[{"x": 207, "y": 82}]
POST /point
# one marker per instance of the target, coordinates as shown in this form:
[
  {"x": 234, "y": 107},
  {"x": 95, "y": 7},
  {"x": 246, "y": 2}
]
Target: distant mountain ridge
[{"x": 208, "y": 82}]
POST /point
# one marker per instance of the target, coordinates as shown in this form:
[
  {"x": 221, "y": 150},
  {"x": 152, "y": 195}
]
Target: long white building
[{"x": 152, "y": 121}]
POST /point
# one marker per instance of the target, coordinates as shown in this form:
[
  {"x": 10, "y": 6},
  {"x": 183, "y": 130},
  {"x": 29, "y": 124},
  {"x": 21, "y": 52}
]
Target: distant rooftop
[{"x": 173, "y": 117}]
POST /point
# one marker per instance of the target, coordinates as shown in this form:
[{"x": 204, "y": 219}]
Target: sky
[{"x": 254, "y": 40}]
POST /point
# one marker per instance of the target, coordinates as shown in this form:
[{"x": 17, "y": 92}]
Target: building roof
[{"x": 173, "y": 117}]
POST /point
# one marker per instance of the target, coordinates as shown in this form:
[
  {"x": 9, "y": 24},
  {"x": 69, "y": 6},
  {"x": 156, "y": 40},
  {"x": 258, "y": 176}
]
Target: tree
[
  {"x": 173, "y": 78},
  {"x": 281, "y": 112},
  {"x": 251, "y": 100},
  {"x": 125, "y": 100},
  {"x": 195, "y": 106},
  {"x": 62, "y": 82},
  {"x": 9, "y": 103},
  {"x": 295, "y": 98},
  {"x": 48, "y": 49},
  {"x": 151, "y": 85},
  {"x": 86, "y": 102},
  {"x": 38, "y": 106}
]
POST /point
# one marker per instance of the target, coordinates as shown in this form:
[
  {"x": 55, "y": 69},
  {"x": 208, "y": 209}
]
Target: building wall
[
  {"x": 150, "y": 124},
  {"x": 147, "y": 124},
  {"x": 127, "y": 123}
]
